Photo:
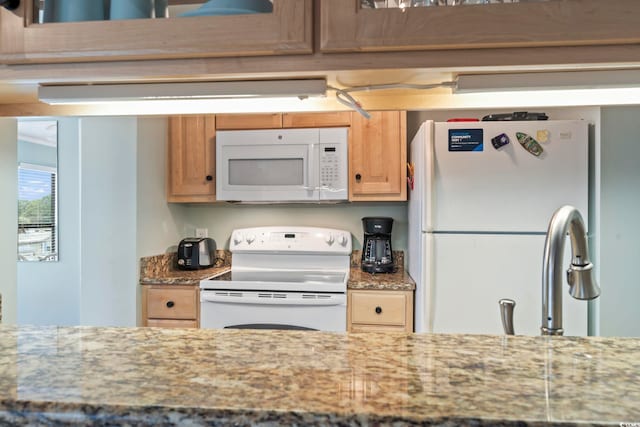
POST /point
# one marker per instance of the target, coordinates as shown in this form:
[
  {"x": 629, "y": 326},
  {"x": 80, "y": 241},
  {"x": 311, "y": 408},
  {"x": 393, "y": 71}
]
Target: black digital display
[
  {"x": 330, "y": 149},
  {"x": 289, "y": 236}
]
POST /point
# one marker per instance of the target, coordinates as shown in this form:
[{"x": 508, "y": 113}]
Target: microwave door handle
[{"x": 313, "y": 173}]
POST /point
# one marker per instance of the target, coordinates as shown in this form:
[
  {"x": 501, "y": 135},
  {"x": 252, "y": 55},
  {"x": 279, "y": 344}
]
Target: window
[
  {"x": 37, "y": 191},
  {"x": 37, "y": 239}
]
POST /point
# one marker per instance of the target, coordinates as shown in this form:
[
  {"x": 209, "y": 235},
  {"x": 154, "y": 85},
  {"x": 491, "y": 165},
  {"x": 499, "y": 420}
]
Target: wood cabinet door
[
  {"x": 378, "y": 156},
  {"x": 248, "y": 121},
  {"x": 191, "y": 165},
  {"x": 287, "y": 30},
  {"x": 316, "y": 120},
  {"x": 346, "y": 27}
]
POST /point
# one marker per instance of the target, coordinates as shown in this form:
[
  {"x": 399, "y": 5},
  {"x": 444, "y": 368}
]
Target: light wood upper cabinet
[
  {"x": 377, "y": 151},
  {"x": 282, "y": 120},
  {"x": 191, "y": 175},
  {"x": 346, "y": 27},
  {"x": 248, "y": 121},
  {"x": 378, "y": 157},
  {"x": 313, "y": 120},
  {"x": 287, "y": 30}
]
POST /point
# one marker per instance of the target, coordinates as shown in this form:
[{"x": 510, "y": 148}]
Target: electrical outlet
[{"x": 202, "y": 232}]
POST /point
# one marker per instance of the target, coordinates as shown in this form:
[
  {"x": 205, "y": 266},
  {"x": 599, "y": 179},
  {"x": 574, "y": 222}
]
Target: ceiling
[{"x": 43, "y": 132}]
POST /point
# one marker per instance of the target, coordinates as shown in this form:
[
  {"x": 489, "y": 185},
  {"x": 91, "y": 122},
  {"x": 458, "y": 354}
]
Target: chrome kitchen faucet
[{"x": 582, "y": 284}]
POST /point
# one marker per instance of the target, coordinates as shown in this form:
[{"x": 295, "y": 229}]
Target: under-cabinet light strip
[{"x": 94, "y": 93}]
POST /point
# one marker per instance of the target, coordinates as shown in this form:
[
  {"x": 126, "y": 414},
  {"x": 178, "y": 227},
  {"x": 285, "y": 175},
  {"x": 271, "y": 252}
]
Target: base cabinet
[
  {"x": 379, "y": 311},
  {"x": 170, "y": 306}
]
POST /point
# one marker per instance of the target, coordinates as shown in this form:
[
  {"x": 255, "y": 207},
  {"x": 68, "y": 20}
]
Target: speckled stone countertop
[
  {"x": 161, "y": 270},
  {"x": 399, "y": 280},
  {"x": 153, "y": 376}
]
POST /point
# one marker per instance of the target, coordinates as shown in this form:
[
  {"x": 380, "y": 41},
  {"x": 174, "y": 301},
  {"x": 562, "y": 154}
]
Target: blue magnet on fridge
[{"x": 500, "y": 141}]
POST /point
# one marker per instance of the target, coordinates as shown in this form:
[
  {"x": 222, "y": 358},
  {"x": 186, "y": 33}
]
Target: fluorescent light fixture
[
  {"x": 561, "y": 80},
  {"x": 101, "y": 93}
]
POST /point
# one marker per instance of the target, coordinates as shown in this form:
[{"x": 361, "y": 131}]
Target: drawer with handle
[
  {"x": 380, "y": 310},
  {"x": 172, "y": 303}
]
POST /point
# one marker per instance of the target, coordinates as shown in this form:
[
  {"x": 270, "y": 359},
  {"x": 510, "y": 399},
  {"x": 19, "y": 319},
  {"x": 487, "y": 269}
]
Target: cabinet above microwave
[{"x": 282, "y": 165}]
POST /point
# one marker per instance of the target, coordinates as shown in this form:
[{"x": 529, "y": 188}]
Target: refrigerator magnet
[
  {"x": 529, "y": 144},
  {"x": 466, "y": 140},
  {"x": 410, "y": 175},
  {"x": 542, "y": 136},
  {"x": 500, "y": 141}
]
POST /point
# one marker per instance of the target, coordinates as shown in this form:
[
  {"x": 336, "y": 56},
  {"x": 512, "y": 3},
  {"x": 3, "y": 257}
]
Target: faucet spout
[{"x": 582, "y": 284}]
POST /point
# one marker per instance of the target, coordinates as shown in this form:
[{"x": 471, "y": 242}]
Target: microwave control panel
[
  {"x": 333, "y": 164},
  {"x": 330, "y": 166}
]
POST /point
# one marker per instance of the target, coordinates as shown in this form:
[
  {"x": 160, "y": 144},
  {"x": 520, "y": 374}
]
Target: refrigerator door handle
[
  {"x": 429, "y": 172},
  {"x": 429, "y": 286}
]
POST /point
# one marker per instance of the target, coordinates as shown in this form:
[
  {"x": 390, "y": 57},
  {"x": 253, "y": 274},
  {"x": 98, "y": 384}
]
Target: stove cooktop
[{"x": 279, "y": 280}]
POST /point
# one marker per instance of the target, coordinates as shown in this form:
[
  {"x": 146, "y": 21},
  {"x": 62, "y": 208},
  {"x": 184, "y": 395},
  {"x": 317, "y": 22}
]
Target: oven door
[
  {"x": 273, "y": 310},
  {"x": 267, "y": 165}
]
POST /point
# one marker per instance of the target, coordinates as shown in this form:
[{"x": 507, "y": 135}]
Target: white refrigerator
[{"x": 478, "y": 216}]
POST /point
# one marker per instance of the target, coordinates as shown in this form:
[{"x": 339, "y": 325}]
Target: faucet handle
[{"x": 506, "y": 313}]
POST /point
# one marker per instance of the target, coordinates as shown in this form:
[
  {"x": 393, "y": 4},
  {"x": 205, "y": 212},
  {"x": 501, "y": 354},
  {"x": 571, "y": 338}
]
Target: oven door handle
[{"x": 258, "y": 300}]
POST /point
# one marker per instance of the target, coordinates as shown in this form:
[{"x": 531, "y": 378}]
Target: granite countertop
[
  {"x": 161, "y": 269},
  {"x": 399, "y": 280},
  {"x": 153, "y": 376}
]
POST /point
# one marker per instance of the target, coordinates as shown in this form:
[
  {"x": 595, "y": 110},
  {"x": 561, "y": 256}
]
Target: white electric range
[{"x": 281, "y": 278}]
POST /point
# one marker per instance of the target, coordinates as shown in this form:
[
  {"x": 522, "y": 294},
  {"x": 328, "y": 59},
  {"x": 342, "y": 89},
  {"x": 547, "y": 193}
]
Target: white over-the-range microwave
[{"x": 282, "y": 165}]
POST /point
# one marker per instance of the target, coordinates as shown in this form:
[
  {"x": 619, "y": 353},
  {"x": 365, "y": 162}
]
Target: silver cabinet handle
[{"x": 506, "y": 313}]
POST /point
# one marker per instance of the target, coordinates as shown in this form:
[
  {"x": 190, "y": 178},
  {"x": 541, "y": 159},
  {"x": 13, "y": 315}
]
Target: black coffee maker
[{"x": 377, "y": 255}]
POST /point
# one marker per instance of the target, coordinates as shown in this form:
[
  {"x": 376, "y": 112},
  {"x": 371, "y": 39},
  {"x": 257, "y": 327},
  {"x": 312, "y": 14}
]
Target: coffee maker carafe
[{"x": 377, "y": 255}]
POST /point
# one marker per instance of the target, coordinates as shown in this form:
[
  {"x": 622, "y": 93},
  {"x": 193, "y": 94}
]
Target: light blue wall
[
  {"x": 8, "y": 217},
  {"x": 112, "y": 211},
  {"x": 620, "y": 226},
  {"x": 49, "y": 292},
  {"x": 108, "y": 221}
]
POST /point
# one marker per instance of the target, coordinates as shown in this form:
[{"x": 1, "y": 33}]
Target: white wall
[
  {"x": 108, "y": 221},
  {"x": 8, "y": 217},
  {"x": 49, "y": 292},
  {"x": 620, "y": 207}
]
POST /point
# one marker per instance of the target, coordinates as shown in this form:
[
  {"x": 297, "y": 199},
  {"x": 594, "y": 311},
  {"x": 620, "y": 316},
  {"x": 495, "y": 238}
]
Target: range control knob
[
  {"x": 342, "y": 240},
  {"x": 238, "y": 238},
  {"x": 250, "y": 238},
  {"x": 329, "y": 239}
]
